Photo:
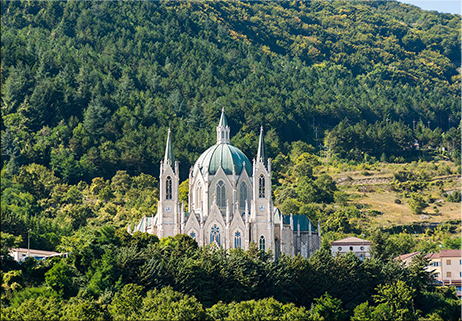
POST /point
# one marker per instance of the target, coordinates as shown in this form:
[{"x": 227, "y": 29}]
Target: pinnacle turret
[{"x": 223, "y": 129}]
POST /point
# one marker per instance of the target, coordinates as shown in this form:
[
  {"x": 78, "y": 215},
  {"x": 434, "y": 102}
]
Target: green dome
[{"x": 225, "y": 154}]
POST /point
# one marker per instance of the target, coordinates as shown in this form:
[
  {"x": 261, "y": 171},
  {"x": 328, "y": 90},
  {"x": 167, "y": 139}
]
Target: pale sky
[{"x": 446, "y": 6}]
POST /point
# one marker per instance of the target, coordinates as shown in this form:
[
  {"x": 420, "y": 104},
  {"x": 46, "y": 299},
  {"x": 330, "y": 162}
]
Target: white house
[{"x": 361, "y": 247}]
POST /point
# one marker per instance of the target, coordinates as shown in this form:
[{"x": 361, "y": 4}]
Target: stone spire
[
  {"x": 169, "y": 158},
  {"x": 261, "y": 154},
  {"x": 223, "y": 129}
]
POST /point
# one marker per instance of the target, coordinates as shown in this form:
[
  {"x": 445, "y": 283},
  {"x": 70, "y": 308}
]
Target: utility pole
[{"x": 428, "y": 122}]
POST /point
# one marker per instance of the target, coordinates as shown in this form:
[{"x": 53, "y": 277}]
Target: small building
[
  {"x": 20, "y": 254},
  {"x": 360, "y": 247},
  {"x": 447, "y": 266}
]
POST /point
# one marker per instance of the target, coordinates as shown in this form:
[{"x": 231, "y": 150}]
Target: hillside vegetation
[
  {"x": 360, "y": 102},
  {"x": 89, "y": 88}
]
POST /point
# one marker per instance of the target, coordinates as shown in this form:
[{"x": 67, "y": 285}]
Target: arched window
[
  {"x": 262, "y": 243},
  {"x": 168, "y": 188},
  {"x": 237, "y": 240},
  {"x": 242, "y": 195},
  {"x": 261, "y": 187},
  {"x": 221, "y": 194},
  {"x": 193, "y": 235},
  {"x": 215, "y": 235}
]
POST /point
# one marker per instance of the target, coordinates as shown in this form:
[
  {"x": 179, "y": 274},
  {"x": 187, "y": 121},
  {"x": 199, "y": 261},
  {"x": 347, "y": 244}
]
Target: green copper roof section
[
  {"x": 301, "y": 220},
  {"x": 169, "y": 151},
  {"x": 261, "y": 154},
  {"x": 226, "y": 156},
  {"x": 223, "y": 121}
]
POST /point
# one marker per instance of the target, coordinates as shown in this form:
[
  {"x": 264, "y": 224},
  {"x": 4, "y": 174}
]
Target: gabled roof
[
  {"x": 444, "y": 253},
  {"x": 407, "y": 256},
  {"x": 351, "y": 240}
]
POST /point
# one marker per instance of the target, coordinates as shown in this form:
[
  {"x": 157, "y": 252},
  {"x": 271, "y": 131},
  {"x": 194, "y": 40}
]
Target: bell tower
[
  {"x": 262, "y": 207},
  {"x": 168, "y": 208}
]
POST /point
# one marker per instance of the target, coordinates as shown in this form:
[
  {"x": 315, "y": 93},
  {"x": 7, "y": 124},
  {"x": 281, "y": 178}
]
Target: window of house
[
  {"x": 351, "y": 248},
  {"x": 168, "y": 188},
  {"x": 193, "y": 235},
  {"x": 262, "y": 243},
  {"x": 362, "y": 248},
  {"x": 261, "y": 187},
  {"x": 237, "y": 240},
  {"x": 215, "y": 235},
  {"x": 448, "y": 262},
  {"x": 221, "y": 194},
  {"x": 436, "y": 263},
  {"x": 339, "y": 248},
  {"x": 448, "y": 274},
  {"x": 242, "y": 195}
]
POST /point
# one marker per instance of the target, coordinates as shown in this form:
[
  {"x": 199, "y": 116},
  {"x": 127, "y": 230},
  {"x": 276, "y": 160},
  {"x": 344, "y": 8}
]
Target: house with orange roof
[{"x": 446, "y": 266}]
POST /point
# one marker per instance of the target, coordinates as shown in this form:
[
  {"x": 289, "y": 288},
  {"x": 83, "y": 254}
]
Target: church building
[{"x": 230, "y": 202}]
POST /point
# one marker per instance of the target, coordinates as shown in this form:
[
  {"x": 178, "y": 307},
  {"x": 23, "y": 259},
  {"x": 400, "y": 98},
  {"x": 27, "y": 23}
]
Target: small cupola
[{"x": 223, "y": 129}]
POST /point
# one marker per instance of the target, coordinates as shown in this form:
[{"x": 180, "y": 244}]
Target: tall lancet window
[
  {"x": 262, "y": 243},
  {"x": 215, "y": 235},
  {"x": 199, "y": 198},
  {"x": 242, "y": 195},
  {"x": 221, "y": 194},
  {"x": 168, "y": 188},
  {"x": 237, "y": 240},
  {"x": 261, "y": 187}
]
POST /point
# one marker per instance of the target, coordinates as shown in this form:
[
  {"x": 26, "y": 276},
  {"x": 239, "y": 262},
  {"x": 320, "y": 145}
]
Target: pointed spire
[
  {"x": 169, "y": 158},
  {"x": 223, "y": 120},
  {"x": 261, "y": 154},
  {"x": 223, "y": 129}
]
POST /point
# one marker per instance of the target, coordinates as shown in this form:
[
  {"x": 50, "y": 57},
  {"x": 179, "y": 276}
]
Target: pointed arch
[
  {"x": 261, "y": 187},
  {"x": 168, "y": 188},
  {"x": 215, "y": 235},
  {"x": 262, "y": 243},
  {"x": 237, "y": 239},
  {"x": 221, "y": 194},
  {"x": 242, "y": 195}
]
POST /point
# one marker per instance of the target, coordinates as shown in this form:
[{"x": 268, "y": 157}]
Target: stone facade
[{"x": 229, "y": 201}]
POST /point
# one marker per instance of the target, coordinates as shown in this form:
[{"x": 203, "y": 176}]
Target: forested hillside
[
  {"x": 89, "y": 88},
  {"x": 346, "y": 91}
]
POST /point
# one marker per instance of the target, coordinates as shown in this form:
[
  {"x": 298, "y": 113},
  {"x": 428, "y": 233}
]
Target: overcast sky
[{"x": 447, "y": 6}]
